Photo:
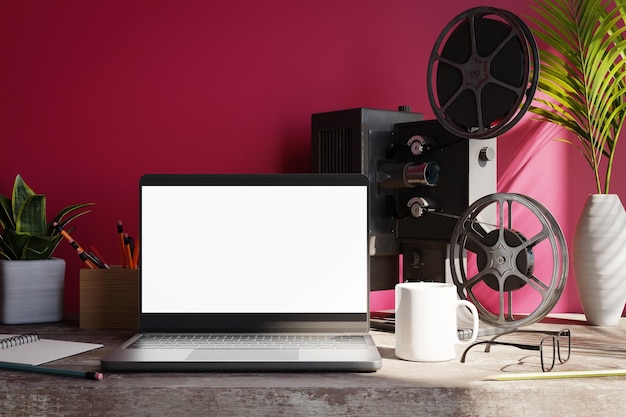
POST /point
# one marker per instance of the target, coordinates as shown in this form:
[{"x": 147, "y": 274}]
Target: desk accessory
[
  {"x": 109, "y": 298},
  {"x": 435, "y": 204},
  {"x": 583, "y": 56},
  {"x": 31, "y": 280},
  {"x": 28, "y": 235},
  {"x": 555, "y": 375},
  {"x": 427, "y": 321},
  {"x": 271, "y": 266},
  {"x": 89, "y": 258},
  {"x": 30, "y": 349},
  {"x": 129, "y": 248},
  {"x": 554, "y": 345},
  {"x": 50, "y": 371}
]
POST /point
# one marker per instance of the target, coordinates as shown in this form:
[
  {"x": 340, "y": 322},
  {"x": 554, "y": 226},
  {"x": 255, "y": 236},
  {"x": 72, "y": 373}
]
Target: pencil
[
  {"x": 120, "y": 232},
  {"x": 100, "y": 258},
  {"x": 79, "y": 250},
  {"x": 556, "y": 375},
  {"x": 84, "y": 256},
  {"x": 128, "y": 251},
  {"x": 136, "y": 254},
  {"x": 50, "y": 371}
]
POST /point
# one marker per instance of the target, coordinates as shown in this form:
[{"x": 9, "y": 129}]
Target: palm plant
[
  {"x": 26, "y": 235},
  {"x": 583, "y": 76}
]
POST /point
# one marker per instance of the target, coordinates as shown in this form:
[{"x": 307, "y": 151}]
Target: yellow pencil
[
  {"x": 555, "y": 375},
  {"x": 136, "y": 254},
  {"x": 127, "y": 252},
  {"x": 120, "y": 233}
]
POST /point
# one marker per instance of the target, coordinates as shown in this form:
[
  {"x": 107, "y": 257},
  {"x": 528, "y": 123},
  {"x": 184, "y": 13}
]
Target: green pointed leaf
[
  {"x": 41, "y": 247},
  {"x": 59, "y": 218},
  {"x": 6, "y": 251},
  {"x": 32, "y": 216},
  {"x": 6, "y": 213},
  {"x": 21, "y": 192},
  {"x": 18, "y": 242},
  {"x": 26, "y": 233}
]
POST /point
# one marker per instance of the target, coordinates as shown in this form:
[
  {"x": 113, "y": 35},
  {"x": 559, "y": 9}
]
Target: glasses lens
[
  {"x": 547, "y": 350},
  {"x": 563, "y": 344}
]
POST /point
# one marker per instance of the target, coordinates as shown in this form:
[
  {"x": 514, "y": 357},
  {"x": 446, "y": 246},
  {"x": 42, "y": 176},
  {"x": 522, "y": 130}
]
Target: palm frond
[{"x": 583, "y": 74}]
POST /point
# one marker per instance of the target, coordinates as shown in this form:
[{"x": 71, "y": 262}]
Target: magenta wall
[{"x": 95, "y": 93}]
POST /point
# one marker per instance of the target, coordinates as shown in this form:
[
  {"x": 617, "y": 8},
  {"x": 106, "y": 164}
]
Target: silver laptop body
[{"x": 274, "y": 266}]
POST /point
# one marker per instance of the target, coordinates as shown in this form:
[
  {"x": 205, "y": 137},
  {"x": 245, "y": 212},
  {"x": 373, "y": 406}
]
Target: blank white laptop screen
[
  {"x": 254, "y": 249},
  {"x": 242, "y": 256}
]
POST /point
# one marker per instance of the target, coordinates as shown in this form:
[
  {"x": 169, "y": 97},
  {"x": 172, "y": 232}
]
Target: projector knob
[{"x": 487, "y": 154}]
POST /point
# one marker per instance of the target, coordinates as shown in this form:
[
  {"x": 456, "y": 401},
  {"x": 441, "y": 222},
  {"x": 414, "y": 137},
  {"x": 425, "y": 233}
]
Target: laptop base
[{"x": 244, "y": 359}]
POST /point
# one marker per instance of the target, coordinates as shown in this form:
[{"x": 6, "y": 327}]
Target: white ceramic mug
[{"x": 426, "y": 321}]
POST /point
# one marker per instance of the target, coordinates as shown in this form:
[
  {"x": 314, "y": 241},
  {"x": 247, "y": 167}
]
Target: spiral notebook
[{"x": 30, "y": 349}]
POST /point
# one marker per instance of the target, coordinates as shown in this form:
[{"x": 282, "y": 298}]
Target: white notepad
[{"x": 29, "y": 349}]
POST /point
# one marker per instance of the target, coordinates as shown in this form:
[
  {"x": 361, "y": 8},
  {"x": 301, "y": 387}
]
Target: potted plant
[
  {"x": 582, "y": 87},
  {"x": 31, "y": 280}
]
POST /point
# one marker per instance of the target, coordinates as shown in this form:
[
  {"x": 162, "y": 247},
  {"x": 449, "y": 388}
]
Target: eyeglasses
[{"x": 554, "y": 346}]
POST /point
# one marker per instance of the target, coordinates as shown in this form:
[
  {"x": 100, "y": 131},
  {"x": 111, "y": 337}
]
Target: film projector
[{"x": 435, "y": 214}]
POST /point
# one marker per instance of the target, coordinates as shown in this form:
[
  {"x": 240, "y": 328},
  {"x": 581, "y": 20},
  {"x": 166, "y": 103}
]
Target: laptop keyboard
[{"x": 233, "y": 341}]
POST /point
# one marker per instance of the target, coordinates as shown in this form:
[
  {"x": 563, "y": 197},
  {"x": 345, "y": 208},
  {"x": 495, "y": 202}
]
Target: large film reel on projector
[
  {"x": 483, "y": 73},
  {"x": 482, "y": 76}
]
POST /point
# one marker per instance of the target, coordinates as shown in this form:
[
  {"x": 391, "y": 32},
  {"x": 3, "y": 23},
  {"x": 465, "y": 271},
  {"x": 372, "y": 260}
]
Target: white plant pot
[
  {"x": 599, "y": 259},
  {"x": 31, "y": 291}
]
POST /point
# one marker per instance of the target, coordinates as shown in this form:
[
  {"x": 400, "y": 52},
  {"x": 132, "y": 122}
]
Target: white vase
[
  {"x": 599, "y": 259},
  {"x": 31, "y": 291}
]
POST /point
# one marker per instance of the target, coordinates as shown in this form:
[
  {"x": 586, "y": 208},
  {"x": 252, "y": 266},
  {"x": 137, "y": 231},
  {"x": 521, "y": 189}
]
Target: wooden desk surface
[{"x": 400, "y": 388}]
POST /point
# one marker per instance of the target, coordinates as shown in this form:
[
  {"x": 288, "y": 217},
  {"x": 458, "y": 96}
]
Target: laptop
[{"x": 243, "y": 272}]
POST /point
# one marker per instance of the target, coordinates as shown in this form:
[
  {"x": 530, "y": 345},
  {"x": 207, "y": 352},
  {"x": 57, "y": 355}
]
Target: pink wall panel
[{"x": 95, "y": 93}]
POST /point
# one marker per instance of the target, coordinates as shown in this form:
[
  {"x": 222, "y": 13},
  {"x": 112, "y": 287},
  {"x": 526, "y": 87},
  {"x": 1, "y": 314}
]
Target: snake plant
[
  {"x": 26, "y": 235},
  {"x": 582, "y": 83}
]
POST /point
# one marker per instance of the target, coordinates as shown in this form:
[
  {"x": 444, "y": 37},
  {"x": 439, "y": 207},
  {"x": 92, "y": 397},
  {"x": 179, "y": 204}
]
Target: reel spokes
[
  {"x": 483, "y": 73},
  {"x": 493, "y": 250}
]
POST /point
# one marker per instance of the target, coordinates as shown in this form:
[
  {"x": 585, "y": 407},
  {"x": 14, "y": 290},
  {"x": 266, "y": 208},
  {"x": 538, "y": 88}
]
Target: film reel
[
  {"x": 483, "y": 73},
  {"x": 494, "y": 264}
]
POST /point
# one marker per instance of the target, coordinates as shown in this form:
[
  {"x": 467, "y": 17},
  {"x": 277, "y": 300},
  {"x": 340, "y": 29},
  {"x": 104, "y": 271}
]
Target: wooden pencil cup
[{"x": 109, "y": 298}]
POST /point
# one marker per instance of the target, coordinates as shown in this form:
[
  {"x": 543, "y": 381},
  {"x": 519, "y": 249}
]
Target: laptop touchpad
[{"x": 243, "y": 355}]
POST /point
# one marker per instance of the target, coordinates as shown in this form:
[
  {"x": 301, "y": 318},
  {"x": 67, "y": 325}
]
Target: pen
[
  {"x": 50, "y": 371},
  {"x": 88, "y": 260}
]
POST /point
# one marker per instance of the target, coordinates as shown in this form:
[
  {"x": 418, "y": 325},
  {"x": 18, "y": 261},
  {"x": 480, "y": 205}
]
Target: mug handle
[{"x": 472, "y": 308}]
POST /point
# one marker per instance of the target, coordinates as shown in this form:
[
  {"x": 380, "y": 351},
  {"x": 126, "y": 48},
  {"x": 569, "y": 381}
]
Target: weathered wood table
[{"x": 400, "y": 388}]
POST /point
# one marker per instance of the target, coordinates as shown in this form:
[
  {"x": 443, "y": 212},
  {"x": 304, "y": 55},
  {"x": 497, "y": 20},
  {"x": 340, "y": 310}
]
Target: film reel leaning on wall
[{"x": 482, "y": 76}]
